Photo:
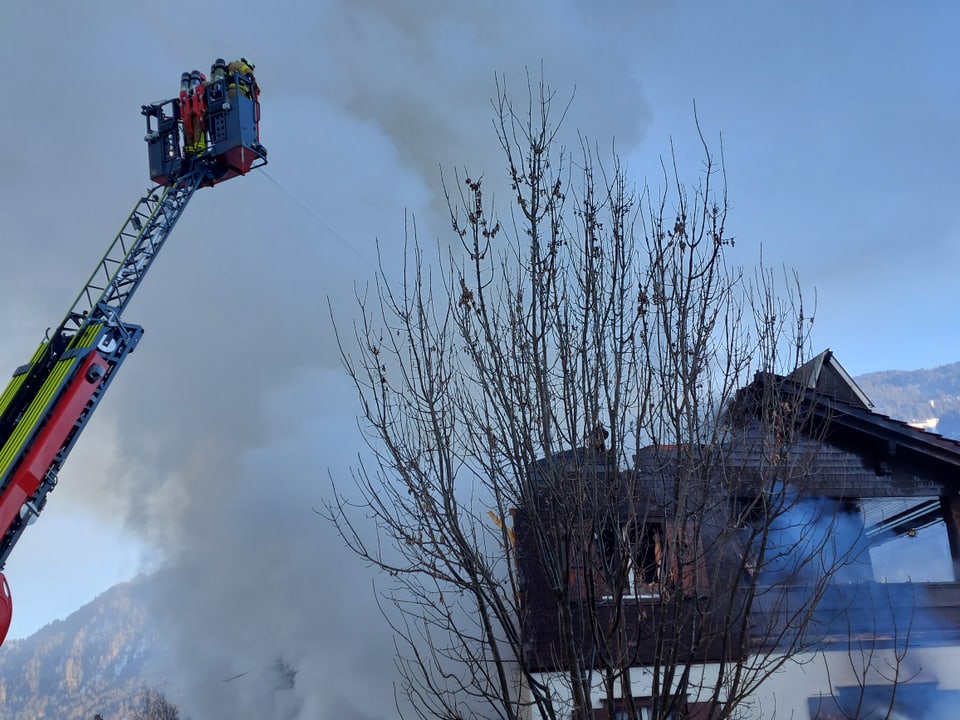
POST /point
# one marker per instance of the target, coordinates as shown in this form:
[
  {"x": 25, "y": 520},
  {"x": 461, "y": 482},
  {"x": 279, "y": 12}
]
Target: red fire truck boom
[{"x": 50, "y": 399}]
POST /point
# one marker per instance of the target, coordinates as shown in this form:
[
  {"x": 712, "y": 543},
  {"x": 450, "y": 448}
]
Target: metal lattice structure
[{"x": 120, "y": 271}]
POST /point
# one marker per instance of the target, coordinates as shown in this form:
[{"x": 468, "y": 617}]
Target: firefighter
[
  {"x": 218, "y": 71},
  {"x": 185, "y": 111},
  {"x": 192, "y": 110},
  {"x": 248, "y": 84}
]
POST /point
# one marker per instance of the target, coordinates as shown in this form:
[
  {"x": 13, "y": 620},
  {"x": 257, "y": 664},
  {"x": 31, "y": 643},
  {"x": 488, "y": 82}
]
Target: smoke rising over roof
[
  {"x": 215, "y": 441},
  {"x": 213, "y": 445}
]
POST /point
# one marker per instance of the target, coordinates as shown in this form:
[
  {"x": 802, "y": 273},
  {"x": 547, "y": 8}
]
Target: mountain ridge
[
  {"x": 93, "y": 661},
  {"x": 928, "y": 398}
]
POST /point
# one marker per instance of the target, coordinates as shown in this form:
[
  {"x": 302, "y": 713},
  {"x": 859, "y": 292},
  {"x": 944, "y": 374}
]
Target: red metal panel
[
  {"x": 6, "y": 608},
  {"x": 239, "y": 161},
  {"x": 27, "y": 477}
]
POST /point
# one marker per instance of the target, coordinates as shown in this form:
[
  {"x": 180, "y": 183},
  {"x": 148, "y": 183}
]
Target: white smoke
[{"x": 216, "y": 439}]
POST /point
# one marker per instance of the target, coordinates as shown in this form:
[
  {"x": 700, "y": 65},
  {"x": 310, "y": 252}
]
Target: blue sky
[
  {"x": 839, "y": 129},
  {"x": 837, "y": 121}
]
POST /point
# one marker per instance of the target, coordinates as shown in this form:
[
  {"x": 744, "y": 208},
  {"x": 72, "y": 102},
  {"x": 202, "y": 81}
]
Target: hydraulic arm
[{"x": 51, "y": 398}]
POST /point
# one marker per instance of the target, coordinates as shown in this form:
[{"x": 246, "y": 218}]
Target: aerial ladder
[{"x": 51, "y": 398}]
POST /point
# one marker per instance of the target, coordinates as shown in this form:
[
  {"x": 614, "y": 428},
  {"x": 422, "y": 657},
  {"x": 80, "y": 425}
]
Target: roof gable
[{"x": 825, "y": 375}]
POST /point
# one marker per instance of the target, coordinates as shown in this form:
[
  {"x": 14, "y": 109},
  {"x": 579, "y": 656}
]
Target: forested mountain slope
[
  {"x": 928, "y": 397},
  {"x": 91, "y": 662}
]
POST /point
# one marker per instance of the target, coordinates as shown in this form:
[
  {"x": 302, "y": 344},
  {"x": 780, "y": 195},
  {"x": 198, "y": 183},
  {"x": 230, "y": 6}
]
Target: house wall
[
  {"x": 929, "y": 685},
  {"x": 865, "y": 461}
]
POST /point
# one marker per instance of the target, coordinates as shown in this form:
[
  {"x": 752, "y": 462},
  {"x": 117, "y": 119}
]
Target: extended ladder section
[
  {"x": 126, "y": 261},
  {"x": 51, "y": 398}
]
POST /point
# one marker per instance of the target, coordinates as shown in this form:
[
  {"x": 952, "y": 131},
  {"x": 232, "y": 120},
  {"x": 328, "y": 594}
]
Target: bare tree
[
  {"x": 568, "y": 478},
  {"x": 153, "y": 705}
]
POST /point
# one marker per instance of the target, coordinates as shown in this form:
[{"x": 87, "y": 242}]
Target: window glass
[
  {"x": 894, "y": 540},
  {"x": 636, "y": 550},
  {"x": 907, "y": 539}
]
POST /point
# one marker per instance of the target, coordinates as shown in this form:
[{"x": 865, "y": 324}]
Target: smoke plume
[{"x": 215, "y": 442}]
